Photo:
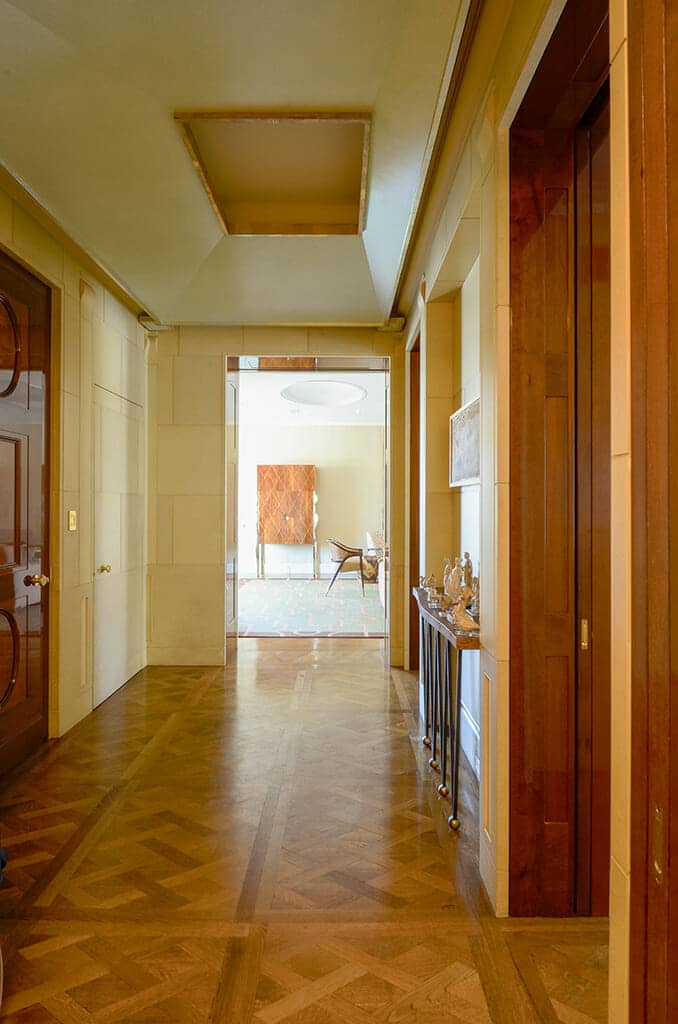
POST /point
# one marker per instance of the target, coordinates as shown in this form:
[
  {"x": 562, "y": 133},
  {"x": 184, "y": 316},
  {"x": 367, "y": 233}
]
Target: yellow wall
[
  {"x": 95, "y": 341},
  {"x": 187, "y": 479}
]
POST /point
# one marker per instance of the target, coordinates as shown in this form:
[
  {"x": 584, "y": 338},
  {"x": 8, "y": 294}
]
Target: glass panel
[
  {"x": 8, "y": 652},
  {"x": 10, "y": 346},
  {"x": 8, "y": 494}
]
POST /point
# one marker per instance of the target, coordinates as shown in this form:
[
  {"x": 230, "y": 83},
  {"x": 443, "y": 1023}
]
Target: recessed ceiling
[
  {"x": 86, "y": 123},
  {"x": 329, "y": 394},
  {"x": 281, "y": 174},
  {"x": 262, "y": 400}
]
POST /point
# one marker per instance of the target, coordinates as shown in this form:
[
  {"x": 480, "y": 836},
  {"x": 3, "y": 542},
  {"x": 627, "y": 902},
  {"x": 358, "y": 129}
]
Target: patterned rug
[{"x": 300, "y": 608}]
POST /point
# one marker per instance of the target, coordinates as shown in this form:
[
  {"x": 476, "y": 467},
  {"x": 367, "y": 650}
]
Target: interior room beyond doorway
[{"x": 312, "y": 546}]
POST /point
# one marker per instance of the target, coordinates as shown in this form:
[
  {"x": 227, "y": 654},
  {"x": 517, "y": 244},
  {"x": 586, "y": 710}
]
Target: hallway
[{"x": 259, "y": 844}]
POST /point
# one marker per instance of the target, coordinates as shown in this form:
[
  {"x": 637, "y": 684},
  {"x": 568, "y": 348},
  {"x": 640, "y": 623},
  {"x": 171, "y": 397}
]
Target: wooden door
[
  {"x": 231, "y": 532},
  {"x": 593, "y": 468},
  {"x": 24, "y": 498},
  {"x": 543, "y": 467},
  {"x": 653, "y": 99},
  {"x": 118, "y": 615}
]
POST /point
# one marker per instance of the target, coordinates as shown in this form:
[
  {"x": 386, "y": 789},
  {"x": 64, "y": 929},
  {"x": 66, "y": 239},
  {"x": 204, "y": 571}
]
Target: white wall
[{"x": 349, "y": 463}]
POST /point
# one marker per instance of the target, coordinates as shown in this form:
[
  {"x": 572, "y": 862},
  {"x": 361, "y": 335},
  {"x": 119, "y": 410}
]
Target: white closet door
[{"x": 118, "y": 620}]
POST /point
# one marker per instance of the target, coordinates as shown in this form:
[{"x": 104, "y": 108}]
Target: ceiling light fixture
[{"x": 327, "y": 393}]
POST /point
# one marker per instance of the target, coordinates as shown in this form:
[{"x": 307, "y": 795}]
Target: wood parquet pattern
[{"x": 262, "y": 844}]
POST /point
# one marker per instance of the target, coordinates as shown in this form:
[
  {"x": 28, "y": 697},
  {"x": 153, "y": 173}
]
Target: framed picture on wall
[{"x": 465, "y": 445}]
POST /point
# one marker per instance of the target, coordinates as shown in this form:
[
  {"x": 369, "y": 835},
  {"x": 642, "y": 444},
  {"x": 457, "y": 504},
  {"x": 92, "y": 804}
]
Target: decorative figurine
[
  {"x": 468, "y": 569},
  {"x": 474, "y": 606},
  {"x": 454, "y": 581},
  {"x": 461, "y": 617}
]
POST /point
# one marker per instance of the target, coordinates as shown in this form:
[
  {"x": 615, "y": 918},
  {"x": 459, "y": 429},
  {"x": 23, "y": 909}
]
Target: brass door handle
[
  {"x": 36, "y": 581},
  {"x": 104, "y": 568}
]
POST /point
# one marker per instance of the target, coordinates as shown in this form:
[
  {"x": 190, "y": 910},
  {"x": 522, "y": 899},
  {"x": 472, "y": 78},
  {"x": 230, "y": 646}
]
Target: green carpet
[{"x": 300, "y": 608}]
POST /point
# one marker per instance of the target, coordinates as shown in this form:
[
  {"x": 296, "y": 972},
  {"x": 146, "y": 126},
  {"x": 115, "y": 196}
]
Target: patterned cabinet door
[{"x": 285, "y": 499}]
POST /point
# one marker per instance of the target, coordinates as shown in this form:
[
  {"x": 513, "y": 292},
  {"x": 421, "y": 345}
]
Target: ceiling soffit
[{"x": 281, "y": 173}]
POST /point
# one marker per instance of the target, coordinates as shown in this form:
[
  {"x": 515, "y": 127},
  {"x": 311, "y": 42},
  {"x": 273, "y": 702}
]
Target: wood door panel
[
  {"x": 24, "y": 491},
  {"x": 557, "y": 521},
  {"x": 285, "y": 503},
  {"x": 542, "y": 656}
]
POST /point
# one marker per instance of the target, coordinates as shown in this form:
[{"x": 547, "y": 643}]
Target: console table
[{"x": 442, "y": 698}]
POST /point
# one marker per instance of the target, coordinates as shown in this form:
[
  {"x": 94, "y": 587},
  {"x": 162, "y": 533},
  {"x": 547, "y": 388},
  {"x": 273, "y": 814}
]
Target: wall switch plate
[{"x": 72, "y": 520}]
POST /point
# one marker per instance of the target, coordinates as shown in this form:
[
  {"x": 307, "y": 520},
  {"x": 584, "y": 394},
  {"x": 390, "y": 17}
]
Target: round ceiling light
[{"x": 328, "y": 393}]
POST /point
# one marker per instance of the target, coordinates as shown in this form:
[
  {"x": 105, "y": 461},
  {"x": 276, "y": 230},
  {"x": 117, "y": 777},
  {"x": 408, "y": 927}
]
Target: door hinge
[
  {"x": 658, "y": 845},
  {"x": 584, "y": 635}
]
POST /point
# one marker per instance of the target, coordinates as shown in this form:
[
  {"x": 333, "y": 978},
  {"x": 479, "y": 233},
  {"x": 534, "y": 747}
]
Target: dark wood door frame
[
  {"x": 543, "y": 706},
  {"x": 653, "y": 98},
  {"x": 593, "y": 510}
]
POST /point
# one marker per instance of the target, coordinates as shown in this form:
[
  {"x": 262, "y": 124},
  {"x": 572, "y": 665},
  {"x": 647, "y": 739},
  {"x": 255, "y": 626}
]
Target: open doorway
[{"x": 312, "y": 549}]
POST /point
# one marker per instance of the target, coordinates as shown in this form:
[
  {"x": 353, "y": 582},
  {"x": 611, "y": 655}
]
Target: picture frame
[{"x": 465, "y": 445}]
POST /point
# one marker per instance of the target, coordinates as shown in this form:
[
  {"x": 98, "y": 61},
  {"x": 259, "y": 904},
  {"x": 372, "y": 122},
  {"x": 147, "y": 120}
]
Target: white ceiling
[
  {"x": 260, "y": 390},
  {"x": 87, "y": 96}
]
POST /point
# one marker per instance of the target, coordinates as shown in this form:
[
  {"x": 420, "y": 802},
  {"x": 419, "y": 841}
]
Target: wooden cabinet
[{"x": 286, "y": 506}]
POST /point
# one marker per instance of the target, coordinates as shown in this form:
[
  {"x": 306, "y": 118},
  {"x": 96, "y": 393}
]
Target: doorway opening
[
  {"x": 560, "y": 476},
  {"x": 311, "y": 485}
]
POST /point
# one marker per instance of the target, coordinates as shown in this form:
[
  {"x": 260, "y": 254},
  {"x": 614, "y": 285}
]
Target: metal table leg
[
  {"x": 435, "y": 702},
  {"x": 425, "y": 669},
  {"x": 445, "y": 731},
  {"x": 453, "y": 820}
]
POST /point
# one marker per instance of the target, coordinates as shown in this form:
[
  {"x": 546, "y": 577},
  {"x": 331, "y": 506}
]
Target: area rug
[{"x": 300, "y": 608}]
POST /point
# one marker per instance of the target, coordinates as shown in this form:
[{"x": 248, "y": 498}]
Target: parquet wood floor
[{"x": 262, "y": 844}]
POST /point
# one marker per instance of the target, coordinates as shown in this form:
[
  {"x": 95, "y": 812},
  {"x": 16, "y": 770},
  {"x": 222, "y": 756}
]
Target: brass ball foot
[
  {"x": 426, "y": 741},
  {"x": 454, "y": 824},
  {"x": 434, "y": 764},
  {"x": 443, "y": 790}
]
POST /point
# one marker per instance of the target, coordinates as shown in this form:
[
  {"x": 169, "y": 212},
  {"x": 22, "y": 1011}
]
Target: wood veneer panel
[
  {"x": 653, "y": 87},
  {"x": 285, "y": 498}
]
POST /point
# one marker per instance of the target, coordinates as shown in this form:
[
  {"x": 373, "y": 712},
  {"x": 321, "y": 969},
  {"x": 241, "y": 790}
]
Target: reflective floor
[{"x": 264, "y": 844}]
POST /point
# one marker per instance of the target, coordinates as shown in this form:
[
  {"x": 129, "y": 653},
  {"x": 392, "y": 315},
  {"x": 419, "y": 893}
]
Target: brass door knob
[
  {"x": 36, "y": 581},
  {"x": 104, "y": 568}
]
